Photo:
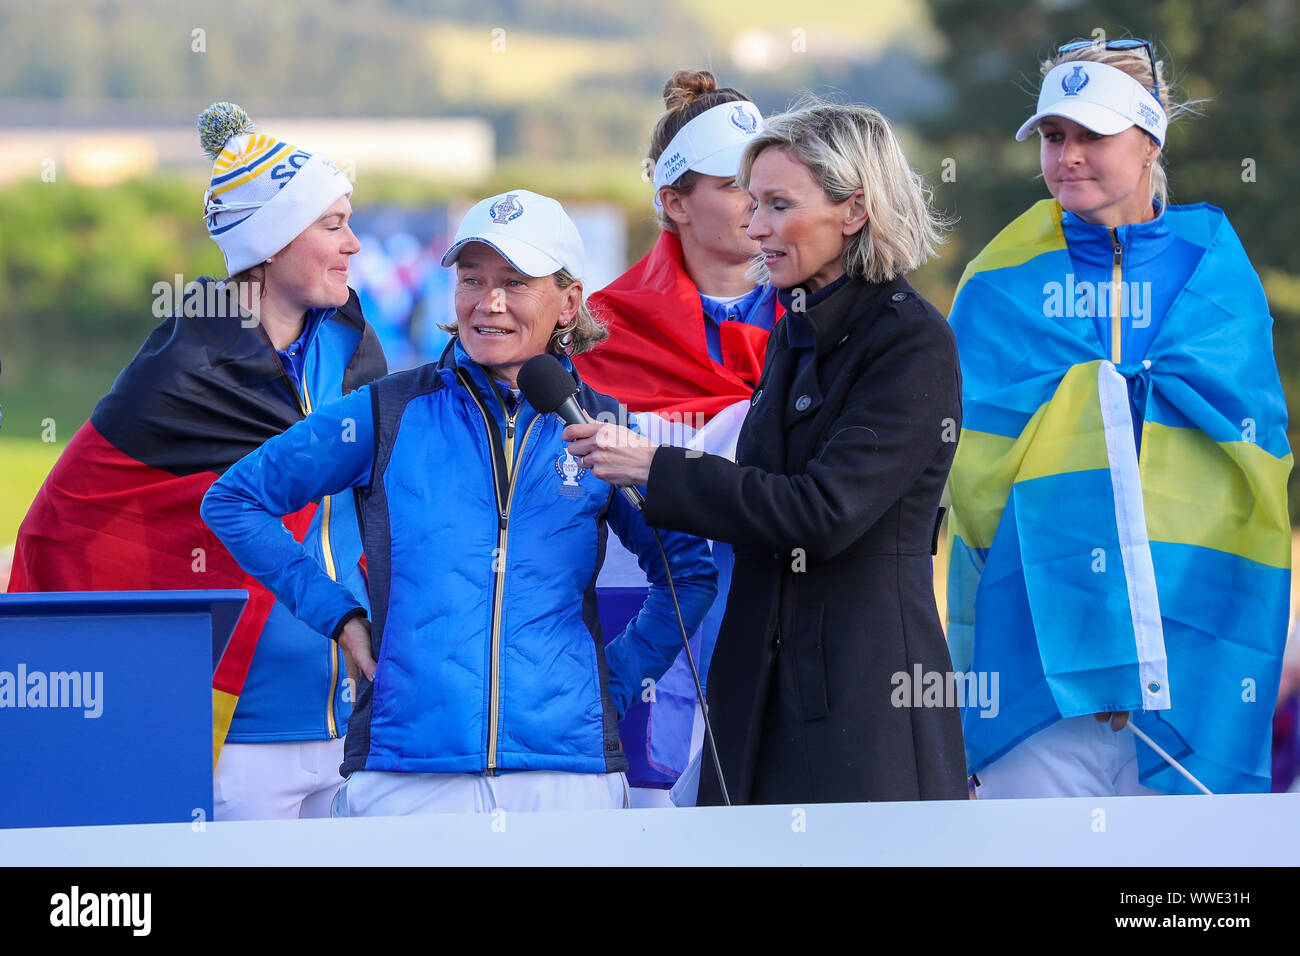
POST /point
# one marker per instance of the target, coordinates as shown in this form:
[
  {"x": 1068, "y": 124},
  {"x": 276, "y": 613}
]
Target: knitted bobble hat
[{"x": 263, "y": 192}]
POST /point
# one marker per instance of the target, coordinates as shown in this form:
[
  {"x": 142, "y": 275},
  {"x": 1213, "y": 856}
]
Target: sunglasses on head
[{"x": 1130, "y": 44}]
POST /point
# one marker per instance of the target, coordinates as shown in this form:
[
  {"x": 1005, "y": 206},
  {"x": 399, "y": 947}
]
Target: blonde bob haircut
[
  {"x": 847, "y": 148},
  {"x": 583, "y": 334}
]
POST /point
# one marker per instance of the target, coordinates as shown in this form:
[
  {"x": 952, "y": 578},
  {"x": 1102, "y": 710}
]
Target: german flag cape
[
  {"x": 1088, "y": 579},
  {"x": 120, "y": 509},
  {"x": 656, "y": 358}
]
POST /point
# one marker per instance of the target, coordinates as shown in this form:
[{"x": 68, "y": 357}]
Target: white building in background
[{"x": 459, "y": 150}]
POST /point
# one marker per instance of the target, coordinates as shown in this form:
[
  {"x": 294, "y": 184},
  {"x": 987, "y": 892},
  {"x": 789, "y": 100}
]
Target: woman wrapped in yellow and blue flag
[{"x": 1121, "y": 546}]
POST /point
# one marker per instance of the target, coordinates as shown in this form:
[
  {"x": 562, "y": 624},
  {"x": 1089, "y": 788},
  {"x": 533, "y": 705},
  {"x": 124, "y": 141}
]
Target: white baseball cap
[
  {"x": 711, "y": 143},
  {"x": 1104, "y": 99},
  {"x": 532, "y": 232}
]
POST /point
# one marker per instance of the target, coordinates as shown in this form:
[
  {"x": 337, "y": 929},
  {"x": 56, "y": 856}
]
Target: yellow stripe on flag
[
  {"x": 1035, "y": 231},
  {"x": 223, "y": 712},
  {"x": 1226, "y": 496},
  {"x": 1064, "y": 435}
]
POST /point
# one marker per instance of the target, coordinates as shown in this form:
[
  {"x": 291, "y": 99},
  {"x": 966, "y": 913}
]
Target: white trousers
[
  {"x": 276, "y": 781},
  {"x": 649, "y": 798},
  {"x": 372, "y": 793},
  {"x": 1076, "y": 757}
]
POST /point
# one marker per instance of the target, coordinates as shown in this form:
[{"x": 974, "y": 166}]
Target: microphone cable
[
  {"x": 552, "y": 390},
  {"x": 690, "y": 658}
]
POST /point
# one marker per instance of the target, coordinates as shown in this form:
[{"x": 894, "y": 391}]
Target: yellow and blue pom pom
[{"x": 218, "y": 123}]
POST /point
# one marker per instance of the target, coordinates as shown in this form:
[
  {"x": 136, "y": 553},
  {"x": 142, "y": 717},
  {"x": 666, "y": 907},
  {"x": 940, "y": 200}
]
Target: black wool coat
[{"x": 832, "y": 507}]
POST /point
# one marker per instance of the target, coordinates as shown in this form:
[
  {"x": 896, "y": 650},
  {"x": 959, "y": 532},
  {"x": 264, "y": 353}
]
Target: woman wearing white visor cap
[
  {"x": 1121, "y": 544},
  {"x": 688, "y": 326},
  {"x": 688, "y": 334}
]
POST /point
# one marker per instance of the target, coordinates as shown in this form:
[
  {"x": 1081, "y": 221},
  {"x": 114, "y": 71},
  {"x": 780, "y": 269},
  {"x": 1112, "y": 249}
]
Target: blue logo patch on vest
[
  {"x": 504, "y": 210},
  {"x": 742, "y": 120},
  {"x": 1075, "y": 82},
  {"x": 567, "y": 467}
]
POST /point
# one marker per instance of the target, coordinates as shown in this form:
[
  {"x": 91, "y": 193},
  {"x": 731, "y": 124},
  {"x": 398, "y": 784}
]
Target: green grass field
[
  {"x": 516, "y": 66},
  {"x": 24, "y": 463}
]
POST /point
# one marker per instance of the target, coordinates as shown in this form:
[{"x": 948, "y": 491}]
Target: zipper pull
[
  {"x": 503, "y": 520},
  {"x": 1117, "y": 331},
  {"x": 510, "y": 428}
]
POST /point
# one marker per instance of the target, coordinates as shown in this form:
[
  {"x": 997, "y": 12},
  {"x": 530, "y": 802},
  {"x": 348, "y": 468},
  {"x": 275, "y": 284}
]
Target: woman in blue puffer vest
[{"x": 482, "y": 678}]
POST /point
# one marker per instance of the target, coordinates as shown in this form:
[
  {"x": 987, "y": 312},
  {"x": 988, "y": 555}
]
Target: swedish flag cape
[{"x": 1091, "y": 579}]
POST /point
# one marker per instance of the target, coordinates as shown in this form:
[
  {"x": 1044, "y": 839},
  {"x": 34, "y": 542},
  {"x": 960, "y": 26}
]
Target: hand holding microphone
[
  {"x": 613, "y": 454},
  {"x": 618, "y": 456}
]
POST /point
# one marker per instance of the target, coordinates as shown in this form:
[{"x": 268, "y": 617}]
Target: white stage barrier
[{"x": 1241, "y": 829}]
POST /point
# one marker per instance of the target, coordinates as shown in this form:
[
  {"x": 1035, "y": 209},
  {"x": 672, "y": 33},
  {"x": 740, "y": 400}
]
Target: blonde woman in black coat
[{"x": 833, "y": 501}]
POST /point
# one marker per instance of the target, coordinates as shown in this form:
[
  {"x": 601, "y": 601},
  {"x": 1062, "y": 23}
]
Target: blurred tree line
[{"x": 77, "y": 269}]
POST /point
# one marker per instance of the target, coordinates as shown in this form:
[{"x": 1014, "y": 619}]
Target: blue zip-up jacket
[
  {"x": 1151, "y": 264},
  {"x": 757, "y": 308},
  {"x": 295, "y": 688},
  {"x": 483, "y": 540}
]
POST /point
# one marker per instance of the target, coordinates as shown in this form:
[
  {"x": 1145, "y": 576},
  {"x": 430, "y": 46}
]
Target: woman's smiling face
[
  {"x": 311, "y": 272},
  {"x": 504, "y": 317}
]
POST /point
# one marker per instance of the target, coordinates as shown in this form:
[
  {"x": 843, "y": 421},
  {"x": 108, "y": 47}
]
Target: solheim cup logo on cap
[
  {"x": 1075, "y": 82},
  {"x": 566, "y": 466},
  {"x": 742, "y": 120},
  {"x": 504, "y": 210}
]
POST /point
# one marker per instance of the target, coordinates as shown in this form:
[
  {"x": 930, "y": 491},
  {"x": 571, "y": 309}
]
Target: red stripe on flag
[{"x": 103, "y": 521}]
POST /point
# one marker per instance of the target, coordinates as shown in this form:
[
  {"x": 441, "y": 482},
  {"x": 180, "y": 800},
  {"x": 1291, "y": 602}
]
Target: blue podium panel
[
  {"x": 106, "y": 705},
  {"x": 618, "y": 605}
]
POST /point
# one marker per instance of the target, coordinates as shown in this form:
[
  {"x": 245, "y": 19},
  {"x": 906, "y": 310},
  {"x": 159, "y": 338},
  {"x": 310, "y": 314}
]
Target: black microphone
[{"x": 551, "y": 390}]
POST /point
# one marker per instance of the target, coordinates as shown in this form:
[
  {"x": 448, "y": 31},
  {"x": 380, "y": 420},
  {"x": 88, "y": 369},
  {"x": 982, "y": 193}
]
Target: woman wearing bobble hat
[
  {"x": 240, "y": 361},
  {"x": 1121, "y": 544}
]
